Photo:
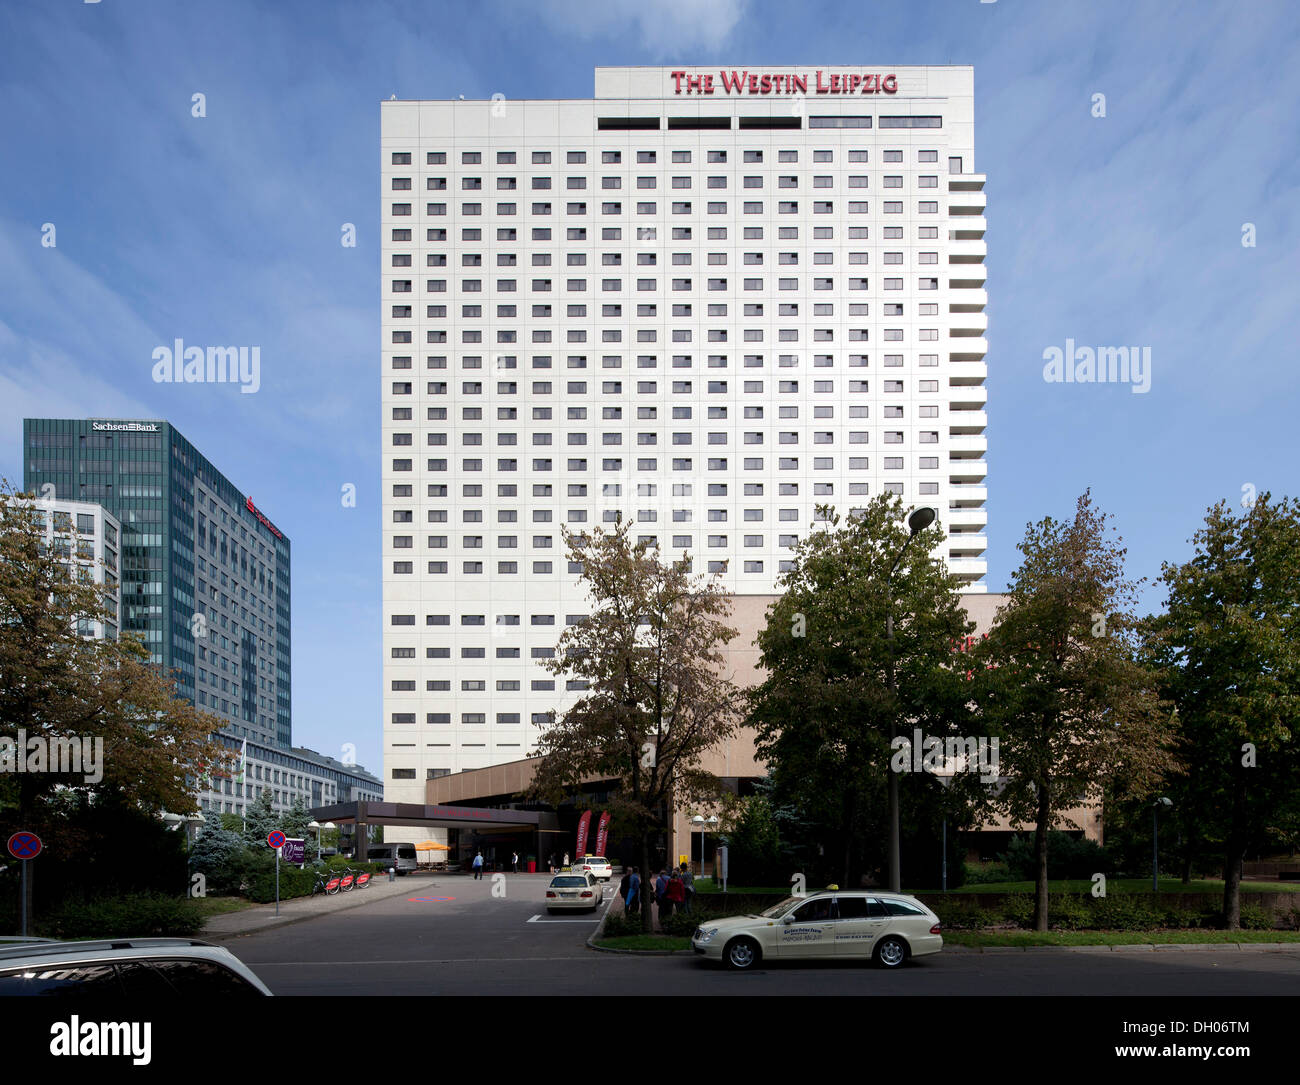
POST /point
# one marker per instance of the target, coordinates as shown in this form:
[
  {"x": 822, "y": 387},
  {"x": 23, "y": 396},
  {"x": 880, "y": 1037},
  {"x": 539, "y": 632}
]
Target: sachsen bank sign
[{"x": 818, "y": 82}]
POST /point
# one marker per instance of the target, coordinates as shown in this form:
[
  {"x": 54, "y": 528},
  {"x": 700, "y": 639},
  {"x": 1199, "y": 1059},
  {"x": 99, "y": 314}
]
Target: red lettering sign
[
  {"x": 758, "y": 83},
  {"x": 248, "y": 504}
]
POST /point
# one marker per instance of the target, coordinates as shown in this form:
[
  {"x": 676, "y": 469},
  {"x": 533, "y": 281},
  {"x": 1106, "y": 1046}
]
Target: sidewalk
[{"x": 262, "y": 917}]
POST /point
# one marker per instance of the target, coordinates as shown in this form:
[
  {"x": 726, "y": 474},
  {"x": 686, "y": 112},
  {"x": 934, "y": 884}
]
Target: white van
[{"x": 401, "y": 856}]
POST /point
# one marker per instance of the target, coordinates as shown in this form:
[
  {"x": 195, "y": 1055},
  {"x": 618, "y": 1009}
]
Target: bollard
[{"x": 392, "y": 873}]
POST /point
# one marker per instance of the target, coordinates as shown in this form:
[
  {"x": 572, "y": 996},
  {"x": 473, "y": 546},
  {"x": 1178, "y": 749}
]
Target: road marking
[{"x": 547, "y": 919}]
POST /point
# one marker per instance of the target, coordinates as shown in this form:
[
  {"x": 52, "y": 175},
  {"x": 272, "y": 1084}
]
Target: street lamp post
[
  {"x": 1156, "y": 807},
  {"x": 917, "y": 522},
  {"x": 711, "y": 822}
]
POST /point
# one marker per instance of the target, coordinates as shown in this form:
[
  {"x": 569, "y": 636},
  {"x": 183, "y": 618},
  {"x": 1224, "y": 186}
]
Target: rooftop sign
[{"x": 769, "y": 83}]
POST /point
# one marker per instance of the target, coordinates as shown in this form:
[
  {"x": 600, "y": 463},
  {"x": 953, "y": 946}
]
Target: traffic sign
[
  {"x": 275, "y": 838},
  {"x": 25, "y": 845}
]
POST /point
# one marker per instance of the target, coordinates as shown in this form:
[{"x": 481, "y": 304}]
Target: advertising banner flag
[
  {"x": 584, "y": 828},
  {"x": 602, "y": 832}
]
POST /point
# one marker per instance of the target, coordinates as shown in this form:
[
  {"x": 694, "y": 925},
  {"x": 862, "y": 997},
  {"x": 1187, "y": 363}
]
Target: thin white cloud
[{"x": 665, "y": 26}]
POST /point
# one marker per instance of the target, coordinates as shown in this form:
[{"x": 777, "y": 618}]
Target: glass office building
[{"x": 204, "y": 575}]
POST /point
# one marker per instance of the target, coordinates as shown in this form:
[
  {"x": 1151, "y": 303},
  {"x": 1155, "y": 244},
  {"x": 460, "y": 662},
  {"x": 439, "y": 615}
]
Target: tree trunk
[
  {"x": 647, "y": 896},
  {"x": 1234, "y": 852},
  {"x": 848, "y": 836},
  {"x": 1040, "y": 849}
]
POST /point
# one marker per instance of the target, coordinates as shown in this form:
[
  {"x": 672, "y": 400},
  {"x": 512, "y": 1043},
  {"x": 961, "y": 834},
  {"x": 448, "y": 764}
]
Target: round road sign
[
  {"x": 275, "y": 838},
  {"x": 25, "y": 845}
]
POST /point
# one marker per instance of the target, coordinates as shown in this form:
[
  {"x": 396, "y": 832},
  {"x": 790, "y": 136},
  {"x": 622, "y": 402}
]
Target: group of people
[{"x": 671, "y": 890}]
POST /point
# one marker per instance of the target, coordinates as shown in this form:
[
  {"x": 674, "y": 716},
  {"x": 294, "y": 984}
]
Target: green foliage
[
  {"x": 621, "y": 924},
  {"x": 1067, "y": 857},
  {"x": 962, "y": 915},
  {"x": 218, "y": 855},
  {"x": 1060, "y": 681},
  {"x": 754, "y": 856},
  {"x": 987, "y": 873},
  {"x": 682, "y": 924},
  {"x": 135, "y": 915},
  {"x": 835, "y": 681},
  {"x": 1227, "y": 652}
]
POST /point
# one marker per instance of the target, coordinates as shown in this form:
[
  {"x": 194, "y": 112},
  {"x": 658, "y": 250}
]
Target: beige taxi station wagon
[{"x": 887, "y": 928}]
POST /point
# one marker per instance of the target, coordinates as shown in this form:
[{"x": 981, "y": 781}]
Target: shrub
[
  {"x": 622, "y": 924},
  {"x": 1255, "y": 918},
  {"x": 1067, "y": 857},
  {"x": 134, "y": 915},
  {"x": 987, "y": 873},
  {"x": 1018, "y": 908}
]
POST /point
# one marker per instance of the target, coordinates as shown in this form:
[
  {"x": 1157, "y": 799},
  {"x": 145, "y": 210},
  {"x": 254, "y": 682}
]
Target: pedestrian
[
  {"x": 676, "y": 892},
  {"x": 688, "y": 883},
  {"x": 622, "y": 885},
  {"x": 514, "y": 862},
  {"x": 661, "y": 897},
  {"x": 566, "y": 860},
  {"x": 632, "y": 897},
  {"x": 550, "y": 862},
  {"x": 478, "y": 867}
]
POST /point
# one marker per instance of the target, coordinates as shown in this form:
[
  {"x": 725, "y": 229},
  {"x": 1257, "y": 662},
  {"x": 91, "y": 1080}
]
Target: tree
[
  {"x": 1062, "y": 684},
  {"x": 216, "y": 854},
  {"x": 1228, "y": 653},
  {"x": 658, "y": 695},
  {"x": 57, "y": 684},
  {"x": 837, "y": 685}
]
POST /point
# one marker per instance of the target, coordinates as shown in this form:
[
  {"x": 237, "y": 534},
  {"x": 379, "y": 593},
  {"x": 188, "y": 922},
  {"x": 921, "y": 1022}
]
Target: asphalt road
[{"x": 451, "y": 935}]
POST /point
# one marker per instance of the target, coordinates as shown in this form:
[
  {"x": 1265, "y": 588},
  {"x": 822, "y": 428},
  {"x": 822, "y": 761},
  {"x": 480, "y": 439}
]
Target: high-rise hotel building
[{"x": 706, "y": 301}]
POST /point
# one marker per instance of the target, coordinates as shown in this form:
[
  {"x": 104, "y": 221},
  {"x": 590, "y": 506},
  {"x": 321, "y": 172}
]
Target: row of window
[
  {"x": 678, "y": 207},
  {"x": 613, "y": 184},
  {"x": 651, "y": 233},
  {"x": 541, "y": 158}
]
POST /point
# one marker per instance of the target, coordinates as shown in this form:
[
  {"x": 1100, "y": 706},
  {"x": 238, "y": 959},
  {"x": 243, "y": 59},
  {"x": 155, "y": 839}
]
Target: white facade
[
  {"x": 708, "y": 304},
  {"x": 95, "y": 536}
]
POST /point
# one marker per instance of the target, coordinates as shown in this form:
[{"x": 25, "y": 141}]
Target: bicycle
[
  {"x": 329, "y": 886},
  {"x": 363, "y": 879}
]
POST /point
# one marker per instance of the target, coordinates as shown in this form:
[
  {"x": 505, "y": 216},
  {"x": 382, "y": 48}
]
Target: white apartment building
[
  {"x": 95, "y": 536},
  {"x": 705, "y": 300}
]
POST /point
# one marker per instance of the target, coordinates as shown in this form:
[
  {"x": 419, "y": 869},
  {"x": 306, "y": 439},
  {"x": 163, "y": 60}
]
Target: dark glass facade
[{"x": 205, "y": 581}]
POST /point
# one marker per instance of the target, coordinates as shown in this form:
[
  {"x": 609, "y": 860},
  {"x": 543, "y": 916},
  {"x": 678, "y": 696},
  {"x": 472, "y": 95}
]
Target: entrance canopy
[{"x": 422, "y": 816}]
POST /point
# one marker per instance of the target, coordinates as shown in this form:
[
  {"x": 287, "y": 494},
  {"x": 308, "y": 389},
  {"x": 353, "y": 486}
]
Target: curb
[
  {"x": 1141, "y": 947},
  {"x": 600, "y": 930},
  {"x": 287, "y": 921}
]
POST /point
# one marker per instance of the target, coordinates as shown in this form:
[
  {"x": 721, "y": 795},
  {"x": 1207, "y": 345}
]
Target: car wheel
[
  {"x": 890, "y": 952},
  {"x": 742, "y": 954}
]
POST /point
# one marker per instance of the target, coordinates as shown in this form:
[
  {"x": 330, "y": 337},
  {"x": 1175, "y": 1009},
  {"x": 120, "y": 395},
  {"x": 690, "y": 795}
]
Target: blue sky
[{"x": 1122, "y": 230}]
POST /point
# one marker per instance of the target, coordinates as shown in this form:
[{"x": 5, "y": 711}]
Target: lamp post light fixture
[
  {"x": 917, "y": 521},
  {"x": 1161, "y": 803}
]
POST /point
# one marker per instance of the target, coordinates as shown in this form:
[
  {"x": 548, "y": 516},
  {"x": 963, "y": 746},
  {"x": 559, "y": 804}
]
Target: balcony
[
  {"x": 973, "y": 277},
  {"x": 967, "y": 470},
  {"x": 970, "y": 300},
  {"x": 969, "y": 569},
  {"x": 967, "y": 251},
  {"x": 968, "y": 350},
  {"x": 966, "y": 203},
  {"x": 967, "y": 445},
  {"x": 972, "y": 226},
  {"x": 967, "y": 397},
  {"x": 966, "y": 421},
  {"x": 966, "y": 494},
  {"x": 969, "y": 519},
  {"x": 967, "y": 545},
  {"x": 970, "y": 373},
  {"x": 972, "y": 324},
  {"x": 967, "y": 182}
]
